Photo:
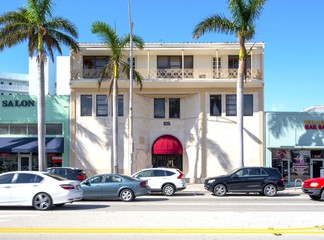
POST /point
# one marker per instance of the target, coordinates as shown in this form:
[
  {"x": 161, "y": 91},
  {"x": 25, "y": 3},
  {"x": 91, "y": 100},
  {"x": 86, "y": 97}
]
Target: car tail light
[
  {"x": 81, "y": 177},
  {"x": 282, "y": 180},
  {"x": 67, "y": 186},
  {"x": 180, "y": 174},
  {"x": 143, "y": 184}
]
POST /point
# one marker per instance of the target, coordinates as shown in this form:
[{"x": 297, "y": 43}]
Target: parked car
[
  {"x": 264, "y": 180},
  {"x": 38, "y": 189},
  {"x": 114, "y": 186},
  {"x": 165, "y": 180},
  {"x": 68, "y": 173},
  {"x": 314, "y": 187}
]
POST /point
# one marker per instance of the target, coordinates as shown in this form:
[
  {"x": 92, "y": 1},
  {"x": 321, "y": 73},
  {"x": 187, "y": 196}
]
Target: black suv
[
  {"x": 70, "y": 173},
  {"x": 264, "y": 180}
]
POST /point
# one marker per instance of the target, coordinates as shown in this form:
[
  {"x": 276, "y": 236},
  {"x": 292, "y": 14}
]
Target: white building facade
[
  {"x": 183, "y": 117},
  {"x": 14, "y": 84}
]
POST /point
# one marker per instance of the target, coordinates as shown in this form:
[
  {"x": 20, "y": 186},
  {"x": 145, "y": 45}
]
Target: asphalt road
[{"x": 188, "y": 215}]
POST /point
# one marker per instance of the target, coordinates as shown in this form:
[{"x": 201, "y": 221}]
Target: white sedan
[{"x": 38, "y": 189}]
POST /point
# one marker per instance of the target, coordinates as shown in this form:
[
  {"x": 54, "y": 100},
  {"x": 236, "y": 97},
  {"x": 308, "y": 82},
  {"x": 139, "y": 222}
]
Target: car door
[
  {"x": 5, "y": 188},
  {"x": 110, "y": 187},
  {"x": 148, "y": 176},
  {"x": 92, "y": 187},
  {"x": 237, "y": 181},
  {"x": 24, "y": 187},
  {"x": 254, "y": 181}
]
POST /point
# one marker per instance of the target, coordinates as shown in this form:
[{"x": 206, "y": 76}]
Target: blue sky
[{"x": 292, "y": 31}]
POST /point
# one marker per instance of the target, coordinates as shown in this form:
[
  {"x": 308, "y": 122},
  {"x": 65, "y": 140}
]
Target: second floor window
[
  {"x": 95, "y": 62},
  {"x": 174, "y": 62},
  {"x": 233, "y": 61},
  {"x": 161, "y": 104}
]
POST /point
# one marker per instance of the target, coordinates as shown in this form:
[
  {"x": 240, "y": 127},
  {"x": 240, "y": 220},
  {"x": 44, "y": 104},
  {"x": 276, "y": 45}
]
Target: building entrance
[
  {"x": 315, "y": 169},
  {"x": 24, "y": 162}
]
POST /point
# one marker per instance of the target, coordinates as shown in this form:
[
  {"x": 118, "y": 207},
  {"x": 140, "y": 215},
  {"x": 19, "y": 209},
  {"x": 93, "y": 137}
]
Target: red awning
[{"x": 167, "y": 144}]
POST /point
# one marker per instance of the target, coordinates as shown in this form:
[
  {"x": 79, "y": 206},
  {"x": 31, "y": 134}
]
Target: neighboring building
[
  {"x": 295, "y": 144},
  {"x": 318, "y": 108},
  {"x": 49, "y": 74},
  {"x": 13, "y": 84},
  {"x": 184, "y": 117},
  {"x": 18, "y": 132}
]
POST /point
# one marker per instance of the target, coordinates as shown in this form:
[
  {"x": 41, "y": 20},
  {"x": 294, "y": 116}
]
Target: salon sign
[
  {"x": 18, "y": 103},
  {"x": 314, "y": 124}
]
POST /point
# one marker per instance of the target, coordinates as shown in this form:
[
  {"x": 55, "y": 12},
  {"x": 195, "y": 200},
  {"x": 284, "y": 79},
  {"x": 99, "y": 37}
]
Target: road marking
[{"x": 276, "y": 231}]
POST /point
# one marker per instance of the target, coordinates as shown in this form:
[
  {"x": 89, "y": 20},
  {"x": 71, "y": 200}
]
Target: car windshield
[{"x": 233, "y": 171}]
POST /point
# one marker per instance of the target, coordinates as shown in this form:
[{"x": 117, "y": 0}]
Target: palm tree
[
  {"x": 44, "y": 33},
  {"x": 243, "y": 15},
  {"x": 115, "y": 65}
]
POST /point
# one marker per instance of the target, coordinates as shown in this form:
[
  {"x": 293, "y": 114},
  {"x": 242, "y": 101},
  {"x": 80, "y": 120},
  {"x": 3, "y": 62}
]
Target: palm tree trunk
[
  {"x": 115, "y": 125},
  {"x": 41, "y": 113},
  {"x": 240, "y": 102}
]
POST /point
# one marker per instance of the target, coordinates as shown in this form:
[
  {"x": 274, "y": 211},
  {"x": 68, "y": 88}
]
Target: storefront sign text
[
  {"x": 313, "y": 125},
  {"x": 18, "y": 103}
]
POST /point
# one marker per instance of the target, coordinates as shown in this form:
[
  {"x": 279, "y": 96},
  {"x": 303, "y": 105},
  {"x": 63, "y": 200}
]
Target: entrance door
[
  {"x": 316, "y": 165},
  {"x": 24, "y": 162},
  {"x": 283, "y": 166}
]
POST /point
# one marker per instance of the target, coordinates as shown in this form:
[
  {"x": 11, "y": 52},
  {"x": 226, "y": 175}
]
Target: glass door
[
  {"x": 24, "y": 162},
  {"x": 315, "y": 169}
]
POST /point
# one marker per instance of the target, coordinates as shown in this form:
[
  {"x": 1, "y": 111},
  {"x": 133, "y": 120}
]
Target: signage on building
[
  {"x": 313, "y": 125},
  {"x": 18, "y": 103}
]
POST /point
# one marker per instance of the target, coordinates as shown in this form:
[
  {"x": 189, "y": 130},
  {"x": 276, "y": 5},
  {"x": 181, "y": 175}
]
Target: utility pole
[{"x": 131, "y": 134}]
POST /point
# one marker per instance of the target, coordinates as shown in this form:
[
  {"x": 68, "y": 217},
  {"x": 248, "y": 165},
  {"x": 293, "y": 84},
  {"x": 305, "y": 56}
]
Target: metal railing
[{"x": 174, "y": 73}]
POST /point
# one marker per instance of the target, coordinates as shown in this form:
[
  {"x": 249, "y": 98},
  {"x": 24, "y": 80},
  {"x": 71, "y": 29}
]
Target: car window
[
  {"x": 242, "y": 173},
  {"x": 263, "y": 173},
  {"x": 96, "y": 179},
  {"x": 158, "y": 173},
  {"x": 112, "y": 179},
  {"x": 145, "y": 173},
  {"x": 169, "y": 173},
  {"x": 6, "y": 178},
  {"x": 254, "y": 171},
  {"x": 28, "y": 178}
]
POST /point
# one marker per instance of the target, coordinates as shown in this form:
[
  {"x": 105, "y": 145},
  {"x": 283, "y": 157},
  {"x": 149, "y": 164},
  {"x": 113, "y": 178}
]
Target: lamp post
[{"x": 131, "y": 137}]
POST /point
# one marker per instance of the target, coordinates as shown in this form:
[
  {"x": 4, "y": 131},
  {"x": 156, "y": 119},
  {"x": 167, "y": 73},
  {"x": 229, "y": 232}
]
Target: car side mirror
[{"x": 87, "y": 183}]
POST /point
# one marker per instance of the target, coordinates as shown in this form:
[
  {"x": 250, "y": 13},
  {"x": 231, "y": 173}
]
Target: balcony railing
[
  {"x": 221, "y": 73},
  {"x": 14, "y": 88}
]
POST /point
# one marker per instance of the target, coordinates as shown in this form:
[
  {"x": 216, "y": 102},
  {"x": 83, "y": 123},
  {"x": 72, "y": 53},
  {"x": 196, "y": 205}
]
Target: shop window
[
  {"x": 215, "y": 104},
  {"x": 231, "y": 109},
  {"x": 54, "y": 129},
  {"x": 4, "y": 129},
  {"x": 86, "y": 105},
  {"x": 101, "y": 105},
  {"x": 174, "y": 108},
  {"x": 18, "y": 129}
]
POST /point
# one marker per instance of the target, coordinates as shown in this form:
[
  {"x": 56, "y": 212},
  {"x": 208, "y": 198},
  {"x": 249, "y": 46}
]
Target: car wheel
[
  {"x": 168, "y": 190},
  {"x": 42, "y": 201},
  {"x": 126, "y": 195},
  {"x": 220, "y": 190},
  {"x": 315, "y": 197},
  {"x": 270, "y": 190}
]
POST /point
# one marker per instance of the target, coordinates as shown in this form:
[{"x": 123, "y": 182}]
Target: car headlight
[
  {"x": 314, "y": 184},
  {"x": 210, "y": 181}
]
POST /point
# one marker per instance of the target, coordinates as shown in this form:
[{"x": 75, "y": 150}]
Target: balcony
[
  {"x": 14, "y": 88},
  {"x": 174, "y": 73}
]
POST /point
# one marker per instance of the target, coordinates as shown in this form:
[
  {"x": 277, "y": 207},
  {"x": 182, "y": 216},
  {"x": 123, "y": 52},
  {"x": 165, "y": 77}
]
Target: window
[
  {"x": 233, "y": 61},
  {"x": 54, "y": 129},
  {"x": 18, "y": 129},
  {"x": 219, "y": 62},
  {"x": 95, "y": 62},
  {"x": 174, "y": 108},
  {"x": 159, "y": 108},
  {"x": 32, "y": 129},
  {"x": 167, "y": 62},
  {"x": 28, "y": 178},
  {"x": 215, "y": 104},
  {"x": 120, "y": 105},
  {"x": 86, "y": 105},
  {"x": 7, "y": 178},
  {"x": 128, "y": 60},
  {"x": 231, "y": 105},
  {"x": 101, "y": 105}
]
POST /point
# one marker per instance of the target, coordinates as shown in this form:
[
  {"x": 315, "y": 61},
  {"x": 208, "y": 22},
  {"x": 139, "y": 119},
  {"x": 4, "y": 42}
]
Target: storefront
[
  {"x": 18, "y": 132},
  {"x": 295, "y": 144}
]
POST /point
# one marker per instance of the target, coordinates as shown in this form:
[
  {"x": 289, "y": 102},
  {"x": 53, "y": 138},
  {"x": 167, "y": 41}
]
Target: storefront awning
[
  {"x": 16, "y": 145},
  {"x": 167, "y": 144}
]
